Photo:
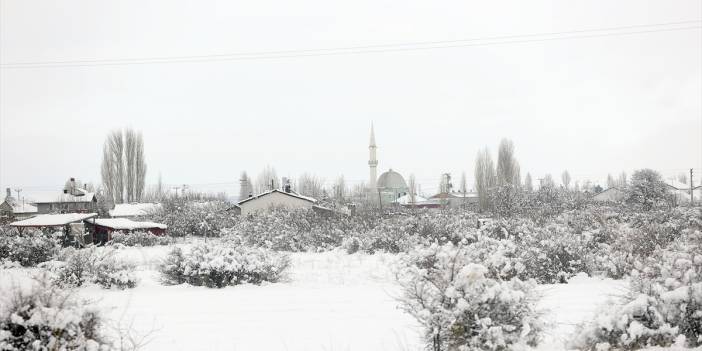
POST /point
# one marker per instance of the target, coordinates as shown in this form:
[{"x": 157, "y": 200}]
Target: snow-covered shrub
[
  {"x": 217, "y": 264},
  {"x": 184, "y": 217},
  {"x": 75, "y": 267},
  {"x": 549, "y": 254},
  {"x": 29, "y": 249},
  {"x": 140, "y": 239},
  {"x": 664, "y": 306},
  {"x": 45, "y": 317},
  {"x": 400, "y": 233},
  {"x": 298, "y": 230},
  {"x": 462, "y": 305},
  {"x": 617, "y": 246}
]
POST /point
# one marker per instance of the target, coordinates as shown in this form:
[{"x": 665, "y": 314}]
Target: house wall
[
  {"x": 274, "y": 199},
  {"x": 66, "y": 207}
]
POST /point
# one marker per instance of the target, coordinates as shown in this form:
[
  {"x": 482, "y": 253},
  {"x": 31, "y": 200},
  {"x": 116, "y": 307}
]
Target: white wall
[{"x": 273, "y": 200}]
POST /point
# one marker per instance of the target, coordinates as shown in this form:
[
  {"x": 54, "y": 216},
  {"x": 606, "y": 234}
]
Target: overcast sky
[{"x": 590, "y": 105}]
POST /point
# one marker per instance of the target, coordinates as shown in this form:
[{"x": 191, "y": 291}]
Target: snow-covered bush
[
  {"x": 298, "y": 230},
  {"x": 45, "y": 317},
  {"x": 75, "y": 267},
  {"x": 184, "y": 217},
  {"x": 463, "y": 305},
  {"x": 217, "y": 264},
  {"x": 664, "y": 306},
  {"x": 139, "y": 239},
  {"x": 400, "y": 233},
  {"x": 29, "y": 249},
  {"x": 549, "y": 254}
]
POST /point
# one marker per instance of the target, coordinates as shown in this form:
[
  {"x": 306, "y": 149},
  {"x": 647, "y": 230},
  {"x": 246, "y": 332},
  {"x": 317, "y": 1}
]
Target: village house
[
  {"x": 73, "y": 199},
  {"x": 275, "y": 198},
  {"x": 12, "y": 209}
]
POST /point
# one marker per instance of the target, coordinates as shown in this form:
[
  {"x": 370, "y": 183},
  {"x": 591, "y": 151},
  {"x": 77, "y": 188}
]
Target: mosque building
[{"x": 391, "y": 185}]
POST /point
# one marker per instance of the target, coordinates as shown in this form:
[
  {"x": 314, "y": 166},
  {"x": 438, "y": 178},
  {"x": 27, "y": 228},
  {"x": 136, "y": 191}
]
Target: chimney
[
  {"x": 9, "y": 192},
  {"x": 286, "y": 185}
]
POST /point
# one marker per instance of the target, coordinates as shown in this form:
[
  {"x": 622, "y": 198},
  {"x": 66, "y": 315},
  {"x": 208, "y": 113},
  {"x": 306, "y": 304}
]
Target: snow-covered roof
[
  {"x": 293, "y": 194},
  {"x": 61, "y": 197},
  {"x": 133, "y": 210},
  {"x": 53, "y": 220},
  {"x": 455, "y": 195},
  {"x": 125, "y": 224},
  {"x": 405, "y": 199}
]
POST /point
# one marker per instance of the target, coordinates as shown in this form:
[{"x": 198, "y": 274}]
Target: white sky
[{"x": 591, "y": 106}]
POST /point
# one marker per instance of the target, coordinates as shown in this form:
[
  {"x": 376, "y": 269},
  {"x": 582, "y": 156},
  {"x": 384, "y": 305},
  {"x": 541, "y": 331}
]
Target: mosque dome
[{"x": 391, "y": 180}]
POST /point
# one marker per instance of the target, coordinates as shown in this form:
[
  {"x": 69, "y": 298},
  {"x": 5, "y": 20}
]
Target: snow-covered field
[{"x": 332, "y": 301}]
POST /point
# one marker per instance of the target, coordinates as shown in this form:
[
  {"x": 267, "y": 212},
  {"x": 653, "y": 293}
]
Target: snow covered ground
[{"x": 332, "y": 301}]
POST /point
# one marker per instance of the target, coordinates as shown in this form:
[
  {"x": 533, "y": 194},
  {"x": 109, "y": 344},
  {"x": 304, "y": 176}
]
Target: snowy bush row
[
  {"x": 664, "y": 306},
  {"x": 76, "y": 267},
  {"x": 45, "y": 317},
  {"x": 469, "y": 299},
  {"x": 185, "y": 218},
  {"x": 218, "y": 264},
  {"x": 28, "y": 249},
  {"x": 140, "y": 239},
  {"x": 306, "y": 230}
]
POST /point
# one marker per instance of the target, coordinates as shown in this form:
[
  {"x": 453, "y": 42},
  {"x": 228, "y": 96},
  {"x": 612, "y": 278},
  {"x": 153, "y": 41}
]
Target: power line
[{"x": 380, "y": 48}]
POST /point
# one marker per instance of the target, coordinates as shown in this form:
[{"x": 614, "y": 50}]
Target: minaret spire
[{"x": 372, "y": 161}]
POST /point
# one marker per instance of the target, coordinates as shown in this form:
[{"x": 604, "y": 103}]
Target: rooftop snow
[
  {"x": 125, "y": 224},
  {"x": 133, "y": 210},
  {"x": 405, "y": 199},
  {"x": 293, "y": 194},
  {"x": 53, "y": 220}
]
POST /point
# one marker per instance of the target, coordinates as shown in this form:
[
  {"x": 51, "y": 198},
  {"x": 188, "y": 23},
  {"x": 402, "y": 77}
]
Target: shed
[{"x": 102, "y": 228}]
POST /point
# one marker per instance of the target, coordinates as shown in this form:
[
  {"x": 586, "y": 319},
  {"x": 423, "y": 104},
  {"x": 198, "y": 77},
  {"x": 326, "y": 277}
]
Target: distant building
[
  {"x": 275, "y": 198},
  {"x": 454, "y": 199},
  {"x": 612, "y": 194},
  {"x": 12, "y": 209},
  {"x": 391, "y": 186},
  {"x": 73, "y": 199},
  {"x": 681, "y": 192}
]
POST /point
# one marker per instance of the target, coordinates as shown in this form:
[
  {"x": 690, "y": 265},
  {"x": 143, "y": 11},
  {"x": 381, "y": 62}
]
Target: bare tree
[
  {"x": 267, "y": 180},
  {"x": 139, "y": 168},
  {"x": 682, "y": 178},
  {"x": 340, "y": 189},
  {"x": 108, "y": 170},
  {"x": 464, "y": 183},
  {"x": 116, "y": 146},
  {"x": 485, "y": 177},
  {"x": 310, "y": 185},
  {"x": 130, "y": 163},
  {"x": 507, "y": 165},
  {"x": 622, "y": 180},
  {"x": 610, "y": 181},
  {"x": 123, "y": 166},
  {"x": 528, "y": 183},
  {"x": 159, "y": 188},
  {"x": 547, "y": 182},
  {"x": 565, "y": 179},
  {"x": 412, "y": 189}
]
